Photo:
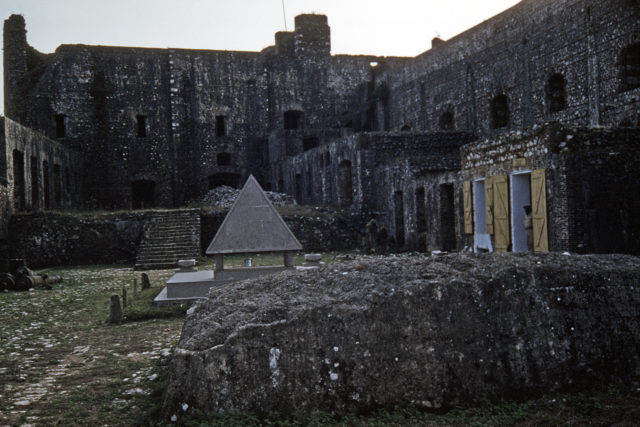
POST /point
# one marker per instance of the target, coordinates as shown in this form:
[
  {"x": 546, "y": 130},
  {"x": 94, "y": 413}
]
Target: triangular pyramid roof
[{"x": 253, "y": 225}]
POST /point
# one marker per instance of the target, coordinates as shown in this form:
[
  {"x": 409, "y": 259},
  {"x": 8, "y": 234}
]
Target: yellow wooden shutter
[
  {"x": 501, "y": 212},
  {"x": 539, "y": 211},
  {"x": 468, "y": 207},
  {"x": 488, "y": 196}
]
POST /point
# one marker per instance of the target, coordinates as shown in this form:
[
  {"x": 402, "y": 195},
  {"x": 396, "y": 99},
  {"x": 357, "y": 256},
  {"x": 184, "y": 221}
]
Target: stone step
[
  {"x": 168, "y": 256},
  {"x": 168, "y": 237}
]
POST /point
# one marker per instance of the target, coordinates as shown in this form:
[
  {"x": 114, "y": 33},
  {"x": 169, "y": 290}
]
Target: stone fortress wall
[{"x": 378, "y": 135}]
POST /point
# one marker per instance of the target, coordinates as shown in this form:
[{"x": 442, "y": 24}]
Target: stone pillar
[
  {"x": 288, "y": 259},
  {"x": 115, "y": 311},
  {"x": 219, "y": 262}
]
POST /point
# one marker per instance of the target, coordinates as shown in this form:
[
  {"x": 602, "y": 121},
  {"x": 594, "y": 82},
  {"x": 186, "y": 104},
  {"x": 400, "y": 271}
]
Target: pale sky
[{"x": 376, "y": 27}]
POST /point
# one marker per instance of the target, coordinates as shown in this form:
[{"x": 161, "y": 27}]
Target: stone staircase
[{"x": 169, "y": 236}]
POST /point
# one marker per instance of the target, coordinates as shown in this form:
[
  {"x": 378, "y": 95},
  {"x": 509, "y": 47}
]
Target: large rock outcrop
[{"x": 409, "y": 330}]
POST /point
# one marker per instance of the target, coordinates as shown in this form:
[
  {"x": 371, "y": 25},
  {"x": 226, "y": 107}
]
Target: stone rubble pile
[{"x": 225, "y": 196}]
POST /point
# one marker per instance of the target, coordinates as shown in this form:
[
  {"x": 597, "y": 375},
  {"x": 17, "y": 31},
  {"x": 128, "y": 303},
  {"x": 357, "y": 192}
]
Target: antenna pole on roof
[{"x": 284, "y": 16}]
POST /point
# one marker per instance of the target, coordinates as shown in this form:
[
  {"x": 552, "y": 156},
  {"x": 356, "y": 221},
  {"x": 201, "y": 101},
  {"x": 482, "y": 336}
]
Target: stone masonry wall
[
  {"x": 592, "y": 191},
  {"x": 205, "y": 115},
  {"x": 515, "y": 53},
  {"x": 52, "y": 238},
  {"x": 42, "y": 174}
]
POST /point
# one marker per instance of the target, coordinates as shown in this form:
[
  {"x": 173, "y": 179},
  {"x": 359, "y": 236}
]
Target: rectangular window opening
[
  {"x": 221, "y": 126},
  {"x": 142, "y": 125},
  {"x": 61, "y": 131}
]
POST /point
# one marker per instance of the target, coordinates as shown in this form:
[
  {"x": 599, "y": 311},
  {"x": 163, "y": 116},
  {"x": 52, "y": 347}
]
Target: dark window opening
[
  {"x": 309, "y": 183},
  {"x": 281, "y": 185},
  {"x": 347, "y": 120},
  {"x": 142, "y": 126},
  {"x": 67, "y": 182},
  {"x": 447, "y": 218},
  {"x": 499, "y": 112},
  {"x": 35, "y": 184},
  {"x": 310, "y": 143},
  {"x": 298, "y": 188},
  {"x": 46, "y": 185},
  {"x": 292, "y": 119},
  {"x": 18, "y": 181},
  {"x": 557, "y": 93},
  {"x": 221, "y": 125},
  {"x": 626, "y": 123},
  {"x": 220, "y": 179},
  {"x": 224, "y": 159},
  {"x": 61, "y": 130},
  {"x": 345, "y": 184},
  {"x": 421, "y": 215},
  {"x": 142, "y": 194},
  {"x": 446, "y": 121},
  {"x": 629, "y": 67},
  {"x": 405, "y": 128},
  {"x": 327, "y": 159},
  {"x": 399, "y": 218},
  {"x": 57, "y": 185}
]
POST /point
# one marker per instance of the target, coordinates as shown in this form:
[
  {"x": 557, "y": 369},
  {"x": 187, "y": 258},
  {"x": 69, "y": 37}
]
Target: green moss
[{"x": 140, "y": 307}]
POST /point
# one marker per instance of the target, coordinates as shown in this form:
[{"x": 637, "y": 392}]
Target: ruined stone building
[{"x": 538, "y": 106}]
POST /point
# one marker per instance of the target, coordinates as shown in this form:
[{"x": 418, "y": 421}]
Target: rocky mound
[
  {"x": 411, "y": 330},
  {"x": 225, "y": 196}
]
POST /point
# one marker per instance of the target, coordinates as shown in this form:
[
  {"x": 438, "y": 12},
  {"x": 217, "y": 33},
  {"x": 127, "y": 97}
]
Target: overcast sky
[{"x": 390, "y": 27}]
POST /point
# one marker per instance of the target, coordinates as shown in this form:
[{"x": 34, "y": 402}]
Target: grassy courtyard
[{"x": 62, "y": 364}]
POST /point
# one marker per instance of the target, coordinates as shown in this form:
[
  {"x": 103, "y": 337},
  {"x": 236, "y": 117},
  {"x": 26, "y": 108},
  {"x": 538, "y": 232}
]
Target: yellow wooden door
[
  {"x": 468, "y": 207},
  {"x": 539, "y": 211},
  {"x": 501, "y": 212},
  {"x": 488, "y": 196}
]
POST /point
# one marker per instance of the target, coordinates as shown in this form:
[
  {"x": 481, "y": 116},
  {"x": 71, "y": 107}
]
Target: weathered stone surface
[
  {"x": 426, "y": 331},
  {"x": 115, "y": 311},
  {"x": 47, "y": 239}
]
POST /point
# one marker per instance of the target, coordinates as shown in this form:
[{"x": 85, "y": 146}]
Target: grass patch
[
  {"x": 140, "y": 307},
  {"x": 61, "y": 364}
]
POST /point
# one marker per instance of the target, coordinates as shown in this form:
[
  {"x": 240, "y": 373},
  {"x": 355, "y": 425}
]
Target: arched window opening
[
  {"x": 399, "y": 218},
  {"x": 345, "y": 184},
  {"x": 298, "y": 188},
  {"x": 46, "y": 185},
  {"x": 629, "y": 67},
  {"x": 327, "y": 159},
  {"x": 61, "y": 130},
  {"x": 556, "y": 92},
  {"x": 18, "y": 181},
  {"x": 447, "y": 121},
  {"x": 57, "y": 185},
  {"x": 499, "y": 112},
  {"x": 309, "y": 183},
  {"x": 421, "y": 214},
  {"x": 405, "y": 128},
  {"x": 35, "y": 184}
]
